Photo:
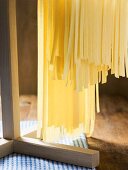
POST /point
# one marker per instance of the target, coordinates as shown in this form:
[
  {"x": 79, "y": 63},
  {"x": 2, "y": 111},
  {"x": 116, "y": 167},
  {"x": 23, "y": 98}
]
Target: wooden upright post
[{"x": 9, "y": 70}]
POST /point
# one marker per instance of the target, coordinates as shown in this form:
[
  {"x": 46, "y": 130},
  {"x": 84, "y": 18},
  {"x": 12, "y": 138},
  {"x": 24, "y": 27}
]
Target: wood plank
[
  {"x": 14, "y": 67},
  {"x": 6, "y": 147},
  {"x": 58, "y": 152},
  {"x": 5, "y": 71},
  {"x": 9, "y": 70}
]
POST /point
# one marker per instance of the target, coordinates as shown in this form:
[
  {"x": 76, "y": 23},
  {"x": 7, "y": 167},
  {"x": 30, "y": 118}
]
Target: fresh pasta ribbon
[{"x": 83, "y": 40}]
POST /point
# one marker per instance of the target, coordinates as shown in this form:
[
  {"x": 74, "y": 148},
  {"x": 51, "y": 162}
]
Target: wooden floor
[
  {"x": 111, "y": 129},
  {"x": 111, "y": 133},
  {"x": 28, "y": 107}
]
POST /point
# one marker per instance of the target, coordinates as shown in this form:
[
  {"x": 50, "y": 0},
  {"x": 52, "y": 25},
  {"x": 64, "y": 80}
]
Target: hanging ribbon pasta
[{"x": 83, "y": 40}]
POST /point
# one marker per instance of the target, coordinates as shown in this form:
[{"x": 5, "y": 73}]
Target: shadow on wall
[
  {"x": 27, "y": 45},
  {"x": 115, "y": 86}
]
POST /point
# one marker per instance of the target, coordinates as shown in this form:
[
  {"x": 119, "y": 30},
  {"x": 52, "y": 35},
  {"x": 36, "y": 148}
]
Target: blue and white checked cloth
[
  {"x": 24, "y": 162},
  {"x": 25, "y": 127}
]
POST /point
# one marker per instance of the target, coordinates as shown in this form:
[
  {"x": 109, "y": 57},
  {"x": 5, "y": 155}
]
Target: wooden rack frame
[{"x": 12, "y": 142}]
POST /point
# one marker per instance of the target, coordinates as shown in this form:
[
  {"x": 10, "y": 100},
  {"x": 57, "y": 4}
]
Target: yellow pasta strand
[{"x": 79, "y": 41}]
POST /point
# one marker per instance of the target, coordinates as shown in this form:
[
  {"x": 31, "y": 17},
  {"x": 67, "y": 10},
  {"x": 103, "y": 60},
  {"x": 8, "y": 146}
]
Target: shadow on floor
[{"x": 112, "y": 156}]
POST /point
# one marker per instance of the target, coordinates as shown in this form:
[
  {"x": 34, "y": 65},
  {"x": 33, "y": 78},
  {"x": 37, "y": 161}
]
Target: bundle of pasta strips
[{"x": 84, "y": 39}]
